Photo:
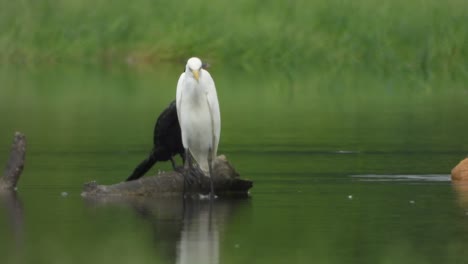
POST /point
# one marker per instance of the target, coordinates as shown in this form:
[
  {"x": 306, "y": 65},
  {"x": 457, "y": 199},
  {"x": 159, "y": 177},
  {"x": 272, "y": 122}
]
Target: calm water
[{"x": 347, "y": 168}]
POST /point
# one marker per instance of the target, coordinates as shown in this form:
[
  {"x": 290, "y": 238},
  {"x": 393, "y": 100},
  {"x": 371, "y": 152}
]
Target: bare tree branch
[{"x": 15, "y": 163}]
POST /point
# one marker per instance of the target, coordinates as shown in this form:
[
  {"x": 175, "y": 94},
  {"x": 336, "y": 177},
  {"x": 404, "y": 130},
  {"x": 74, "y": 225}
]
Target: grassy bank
[{"x": 425, "y": 37}]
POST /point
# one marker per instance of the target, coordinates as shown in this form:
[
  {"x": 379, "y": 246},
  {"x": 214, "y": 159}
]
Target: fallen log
[
  {"x": 15, "y": 163},
  {"x": 225, "y": 179}
]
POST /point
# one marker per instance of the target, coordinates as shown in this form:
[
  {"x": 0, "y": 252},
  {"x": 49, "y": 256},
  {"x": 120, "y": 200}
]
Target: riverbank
[{"x": 424, "y": 38}]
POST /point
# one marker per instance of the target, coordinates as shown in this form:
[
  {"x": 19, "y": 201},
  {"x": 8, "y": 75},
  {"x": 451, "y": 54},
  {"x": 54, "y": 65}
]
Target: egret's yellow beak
[{"x": 196, "y": 74}]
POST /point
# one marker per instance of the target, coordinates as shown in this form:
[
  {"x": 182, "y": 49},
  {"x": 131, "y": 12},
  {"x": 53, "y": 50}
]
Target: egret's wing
[
  {"x": 213, "y": 105},
  {"x": 179, "y": 94}
]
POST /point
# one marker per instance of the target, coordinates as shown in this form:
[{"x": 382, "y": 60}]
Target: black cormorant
[{"x": 167, "y": 142}]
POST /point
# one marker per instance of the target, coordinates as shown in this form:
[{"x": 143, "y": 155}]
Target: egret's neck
[{"x": 195, "y": 94}]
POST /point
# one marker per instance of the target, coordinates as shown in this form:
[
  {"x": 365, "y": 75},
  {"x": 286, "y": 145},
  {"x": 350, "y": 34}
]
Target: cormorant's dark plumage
[{"x": 167, "y": 142}]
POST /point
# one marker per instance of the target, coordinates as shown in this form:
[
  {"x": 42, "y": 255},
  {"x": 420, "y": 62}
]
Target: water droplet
[
  {"x": 64, "y": 194},
  {"x": 350, "y": 197}
]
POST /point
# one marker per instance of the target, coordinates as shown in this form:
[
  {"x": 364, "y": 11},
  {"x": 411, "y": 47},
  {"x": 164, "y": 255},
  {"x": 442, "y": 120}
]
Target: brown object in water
[
  {"x": 460, "y": 172},
  {"x": 15, "y": 163},
  {"x": 225, "y": 179}
]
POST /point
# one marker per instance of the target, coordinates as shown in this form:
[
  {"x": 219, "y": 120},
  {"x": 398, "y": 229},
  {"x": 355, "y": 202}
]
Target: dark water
[{"x": 347, "y": 168}]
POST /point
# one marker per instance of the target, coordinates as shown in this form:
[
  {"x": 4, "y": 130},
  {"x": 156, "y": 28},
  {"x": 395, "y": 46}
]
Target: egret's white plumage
[{"x": 198, "y": 113}]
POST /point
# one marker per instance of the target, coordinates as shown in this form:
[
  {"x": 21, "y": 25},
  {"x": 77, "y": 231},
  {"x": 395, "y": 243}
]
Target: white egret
[{"x": 199, "y": 117}]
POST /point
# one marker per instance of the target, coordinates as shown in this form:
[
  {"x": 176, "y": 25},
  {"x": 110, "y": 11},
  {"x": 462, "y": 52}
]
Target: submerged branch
[{"x": 15, "y": 163}]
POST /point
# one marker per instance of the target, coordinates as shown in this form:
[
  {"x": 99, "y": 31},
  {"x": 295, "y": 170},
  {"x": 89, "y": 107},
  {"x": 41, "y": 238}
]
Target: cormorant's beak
[{"x": 196, "y": 74}]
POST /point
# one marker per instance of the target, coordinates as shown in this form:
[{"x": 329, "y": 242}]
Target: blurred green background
[
  {"x": 347, "y": 115},
  {"x": 423, "y": 37}
]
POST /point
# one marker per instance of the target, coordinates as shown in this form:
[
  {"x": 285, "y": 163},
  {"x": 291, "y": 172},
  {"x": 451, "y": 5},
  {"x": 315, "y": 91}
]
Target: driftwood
[
  {"x": 460, "y": 172},
  {"x": 15, "y": 163},
  {"x": 225, "y": 179}
]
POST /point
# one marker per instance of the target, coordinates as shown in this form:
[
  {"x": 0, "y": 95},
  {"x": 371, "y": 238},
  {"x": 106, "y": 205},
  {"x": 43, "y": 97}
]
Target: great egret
[
  {"x": 199, "y": 117},
  {"x": 167, "y": 142}
]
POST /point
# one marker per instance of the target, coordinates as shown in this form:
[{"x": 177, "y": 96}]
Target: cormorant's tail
[{"x": 143, "y": 167}]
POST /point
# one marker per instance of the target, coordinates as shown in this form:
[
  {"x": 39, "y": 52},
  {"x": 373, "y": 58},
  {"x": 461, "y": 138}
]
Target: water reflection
[
  {"x": 199, "y": 239},
  {"x": 461, "y": 191},
  {"x": 13, "y": 208},
  {"x": 184, "y": 231}
]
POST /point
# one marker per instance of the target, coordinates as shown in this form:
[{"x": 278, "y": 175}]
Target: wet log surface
[
  {"x": 15, "y": 163},
  {"x": 225, "y": 178}
]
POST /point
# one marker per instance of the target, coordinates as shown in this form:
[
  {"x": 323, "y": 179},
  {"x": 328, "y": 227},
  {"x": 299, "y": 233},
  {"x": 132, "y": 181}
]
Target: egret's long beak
[{"x": 196, "y": 74}]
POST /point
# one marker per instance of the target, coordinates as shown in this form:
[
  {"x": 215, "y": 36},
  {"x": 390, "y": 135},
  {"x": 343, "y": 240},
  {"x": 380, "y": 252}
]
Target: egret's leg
[
  {"x": 187, "y": 171},
  {"x": 187, "y": 160},
  {"x": 184, "y": 173},
  {"x": 212, "y": 195},
  {"x": 188, "y": 168}
]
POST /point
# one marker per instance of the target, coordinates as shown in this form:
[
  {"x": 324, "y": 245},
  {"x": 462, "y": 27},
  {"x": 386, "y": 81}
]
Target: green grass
[{"x": 424, "y": 37}]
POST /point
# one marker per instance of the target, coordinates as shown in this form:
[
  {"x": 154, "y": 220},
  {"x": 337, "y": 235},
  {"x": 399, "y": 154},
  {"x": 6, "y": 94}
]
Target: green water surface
[{"x": 348, "y": 167}]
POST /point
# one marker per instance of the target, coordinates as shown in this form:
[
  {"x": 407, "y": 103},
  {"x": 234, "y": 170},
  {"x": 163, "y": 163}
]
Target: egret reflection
[
  {"x": 183, "y": 230},
  {"x": 199, "y": 238}
]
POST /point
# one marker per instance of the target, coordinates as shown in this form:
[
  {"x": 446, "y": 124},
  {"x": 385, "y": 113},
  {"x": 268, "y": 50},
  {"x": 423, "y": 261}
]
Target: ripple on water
[{"x": 403, "y": 177}]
